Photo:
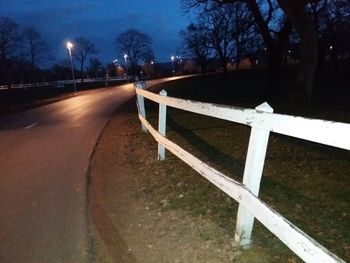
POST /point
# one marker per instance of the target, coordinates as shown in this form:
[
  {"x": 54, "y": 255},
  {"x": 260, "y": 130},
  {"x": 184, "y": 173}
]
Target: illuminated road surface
[{"x": 44, "y": 157}]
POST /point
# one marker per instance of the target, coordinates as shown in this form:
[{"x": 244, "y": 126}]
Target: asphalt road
[{"x": 44, "y": 158}]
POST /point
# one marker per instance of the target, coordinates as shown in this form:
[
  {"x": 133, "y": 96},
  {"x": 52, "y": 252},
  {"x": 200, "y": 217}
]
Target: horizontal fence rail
[
  {"x": 61, "y": 82},
  {"x": 326, "y": 132}
]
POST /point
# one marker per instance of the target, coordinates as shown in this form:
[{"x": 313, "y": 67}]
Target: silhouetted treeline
[
  {"x": 25, "y": 57},
  {"x": 311, "y": 34}
]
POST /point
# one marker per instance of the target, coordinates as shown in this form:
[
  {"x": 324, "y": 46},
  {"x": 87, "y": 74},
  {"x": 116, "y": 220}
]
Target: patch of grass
[{"x": 211, "y": 232}]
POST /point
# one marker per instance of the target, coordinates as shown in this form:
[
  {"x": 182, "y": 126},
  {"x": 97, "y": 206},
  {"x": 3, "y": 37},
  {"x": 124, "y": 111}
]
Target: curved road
[{"x": 44, "y": 158}]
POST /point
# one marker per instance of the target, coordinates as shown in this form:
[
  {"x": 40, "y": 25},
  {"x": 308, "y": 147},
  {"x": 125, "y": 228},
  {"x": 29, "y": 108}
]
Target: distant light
[
  {"x": 330, "y": 47},
  {"x": 125, "y": 56},
  {"x": 289, "y": 51},
  {"x": 115, "y": 61},
  {"x": 152, "y": 62},
  {"x": 172, "y": 58},
  {"x": 69, "y": 45}
]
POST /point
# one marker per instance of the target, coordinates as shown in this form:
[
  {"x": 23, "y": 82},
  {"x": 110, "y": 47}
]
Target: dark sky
[{"x": 101, "y": 22}]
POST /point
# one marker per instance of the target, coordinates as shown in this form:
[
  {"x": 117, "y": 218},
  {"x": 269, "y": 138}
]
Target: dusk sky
[{"x": 101, "y": 22}]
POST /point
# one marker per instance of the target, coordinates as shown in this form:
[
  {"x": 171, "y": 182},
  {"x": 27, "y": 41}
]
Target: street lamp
[
  {"x": 115, "y": 61},
  {"x": 126, "y": 66},
  {"x": 172, "y": 63},
  {"x": 69, "y": 46}
]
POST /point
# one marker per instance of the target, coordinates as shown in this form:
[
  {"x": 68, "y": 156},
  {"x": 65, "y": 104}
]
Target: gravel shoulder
[{"x": 130, "y": 222}]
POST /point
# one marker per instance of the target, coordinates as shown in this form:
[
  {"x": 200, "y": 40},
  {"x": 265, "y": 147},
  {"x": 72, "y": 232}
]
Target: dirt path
[{"x": 130, "y": 224}]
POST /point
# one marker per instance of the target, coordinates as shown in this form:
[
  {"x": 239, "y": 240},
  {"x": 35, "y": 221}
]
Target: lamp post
[
  {"x": 116, "y": 67},
  {"x": 172, "y": 64},
  {"x": 126, "y": 66},
  {"x": 69, "y": 46},
  {"x": 179, "y": 64},
  {"x": 153, "y": 69}
]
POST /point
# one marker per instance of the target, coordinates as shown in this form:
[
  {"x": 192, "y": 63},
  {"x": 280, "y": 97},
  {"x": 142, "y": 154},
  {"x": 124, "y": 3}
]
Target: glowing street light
[
  {"x": 126, "y": 66},
  {"x": 69, "y": 46},
  {"x": 172, "y": 63}
]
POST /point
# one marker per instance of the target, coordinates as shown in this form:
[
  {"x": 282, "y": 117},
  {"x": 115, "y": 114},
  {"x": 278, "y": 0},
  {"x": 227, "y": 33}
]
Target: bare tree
[
  {"x": 332, "y": 21},
  {"x": 276, "y": 40},
  {"x": 9, "y": 38},
  {"x": 247, "y": 40},
  {"x": 136, "y": 45},
  {"x": 219, "y": 20},
  {"x": 95, "y": 68},
  {"x": 82, "y": 50},
  {"x": 9, "y": 47},
  {"x": 36, "y": 47},
  {"x": 296, "y": 11},
  {"x": 196, "y": 43}
]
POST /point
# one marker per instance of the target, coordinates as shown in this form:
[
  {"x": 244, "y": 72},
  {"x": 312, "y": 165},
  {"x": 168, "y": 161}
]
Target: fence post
[
  {"x": 162, "y": 126},
  {"x": 141, "y": 102},
  {"x": 253, "y": 170}
]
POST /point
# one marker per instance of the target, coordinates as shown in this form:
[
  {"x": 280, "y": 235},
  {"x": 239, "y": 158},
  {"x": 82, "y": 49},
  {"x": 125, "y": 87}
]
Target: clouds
[{"x": 100, "y": 21}]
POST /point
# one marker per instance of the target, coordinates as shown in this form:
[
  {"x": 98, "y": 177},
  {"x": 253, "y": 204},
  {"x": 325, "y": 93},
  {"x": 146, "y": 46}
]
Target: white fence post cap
[
  {"x": 163, "y": 93},
  {"x": 140, "y": 84},
  {"x": 264, "y": 107}
]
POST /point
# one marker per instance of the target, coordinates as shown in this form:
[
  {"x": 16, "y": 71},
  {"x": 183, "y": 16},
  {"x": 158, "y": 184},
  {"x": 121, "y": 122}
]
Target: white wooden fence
[
  {"x": 61, "y": 83},
  {"x": 262, "y": 121}
]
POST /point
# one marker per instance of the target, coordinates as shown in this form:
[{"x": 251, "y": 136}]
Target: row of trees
[
  {"x": 24, "y": 53},
  {"x": 20, "y": 48},
  {"x": 238, "y": 28},
  {"x": 223, "y": 31}
]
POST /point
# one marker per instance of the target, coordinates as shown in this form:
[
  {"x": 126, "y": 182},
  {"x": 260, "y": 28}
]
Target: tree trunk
[
  {"x": 224, "y": 65},
  {"x": 274, "y": 47},
  {"x": 203, "y": 64},
  {"x": 274, "y": 70},
  {"x": 82, "y": 70},
  {"x": 295, "y": 10}
]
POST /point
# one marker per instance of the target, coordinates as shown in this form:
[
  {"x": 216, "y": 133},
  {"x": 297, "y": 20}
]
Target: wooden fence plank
[{"x": 325, "y": 132}]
